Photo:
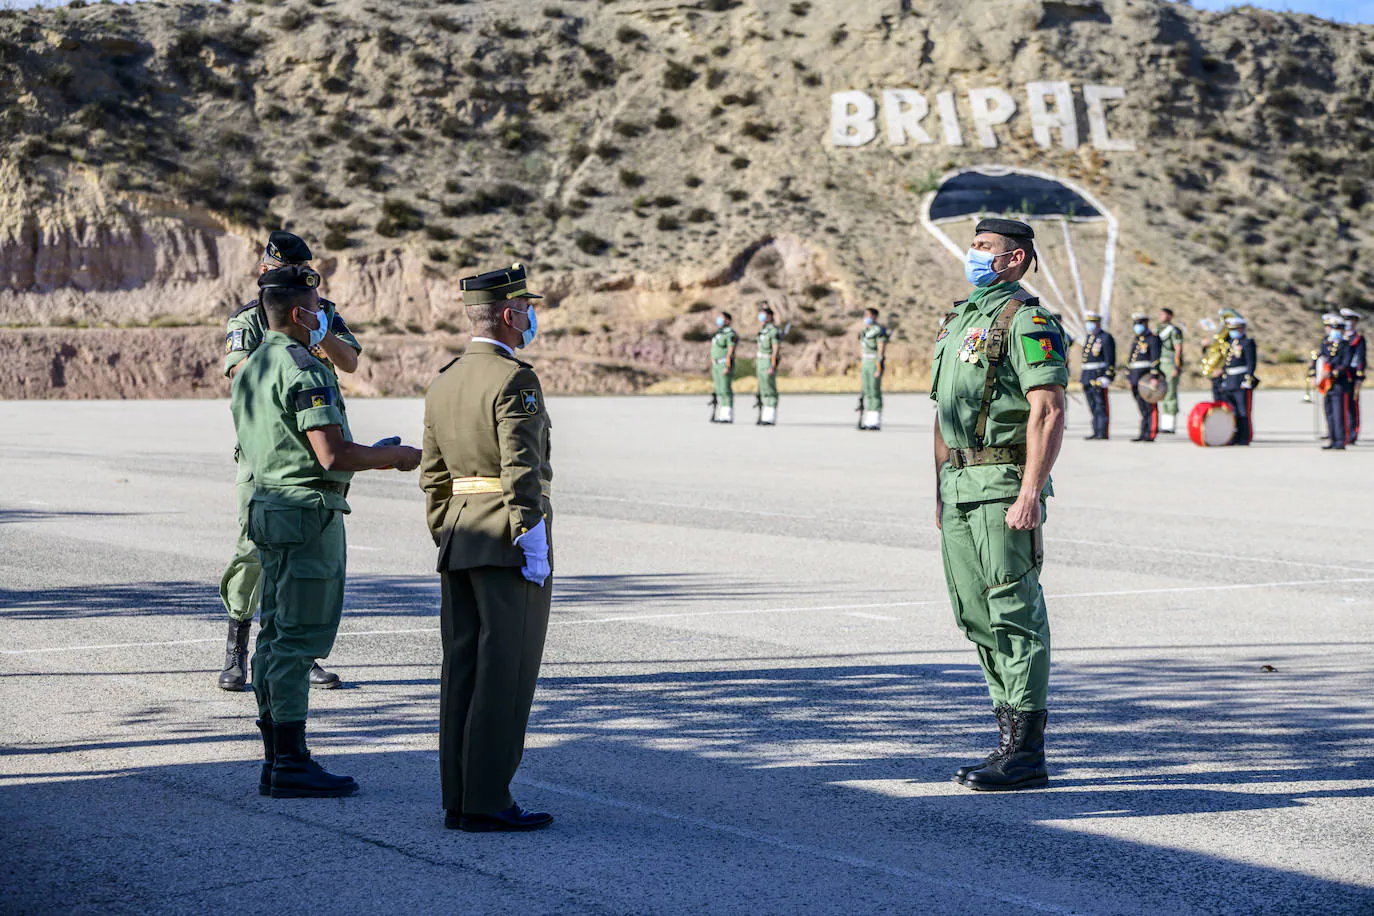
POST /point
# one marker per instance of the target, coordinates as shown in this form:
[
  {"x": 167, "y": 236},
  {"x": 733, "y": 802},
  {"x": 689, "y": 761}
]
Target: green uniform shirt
[
  {"x": 1170, "y": 345},
  {"x": 721, "y": 343},
  {"x": 870, "y": 337},
  {"x": 768, "y": 342},
  {"x": 1033, "y": 357},
  {"x": 281, "y": 392},
  {"x": 247, "y": 327}
]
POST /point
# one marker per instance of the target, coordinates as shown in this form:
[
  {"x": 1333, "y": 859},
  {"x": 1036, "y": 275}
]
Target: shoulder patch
[
  {"x": 529, "y": 400},
  {"x": 244, "y": 308},
  {"x": 302, "y": 356},
  {"x": 234, "y": 341},
  {"x": 316, "y": 397},
  {"x": 1042, "y": 346}
]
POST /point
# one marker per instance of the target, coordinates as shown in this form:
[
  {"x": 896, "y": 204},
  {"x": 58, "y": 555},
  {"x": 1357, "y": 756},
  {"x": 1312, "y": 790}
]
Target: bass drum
[{"x": 1211, "y": 424}]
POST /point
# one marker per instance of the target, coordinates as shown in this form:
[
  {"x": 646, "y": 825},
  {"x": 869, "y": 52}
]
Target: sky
[{"x": 1343, "y": 10}]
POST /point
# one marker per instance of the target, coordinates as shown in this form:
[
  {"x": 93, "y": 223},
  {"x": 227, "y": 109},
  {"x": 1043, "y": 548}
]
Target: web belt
[{"x": 971, "y": 457}]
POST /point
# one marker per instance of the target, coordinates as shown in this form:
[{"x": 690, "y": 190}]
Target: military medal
[{"x": 973, "y": 345}]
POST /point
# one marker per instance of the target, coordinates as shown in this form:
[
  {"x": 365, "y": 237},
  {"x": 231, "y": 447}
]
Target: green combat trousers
[
  {"x": 768, "y": 386},
  {"x": 873, "y": 385},
  {"x": 1170, "y": 403},
  {"x": 240, "y": 587},
  {"x": 724, "y": 382},
  {"x": 993, "y": 574},
  {"x": 304, "y": 558}
]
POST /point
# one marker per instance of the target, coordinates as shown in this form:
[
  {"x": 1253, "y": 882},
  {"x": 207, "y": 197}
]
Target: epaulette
[
  {"x": 1026, "y": 298},
  {"x": 242, "y": 309},
  {"x": 326, "y": 304},
  {"x": 449, "y": 364},
  {"x": 302, "y": 356}
]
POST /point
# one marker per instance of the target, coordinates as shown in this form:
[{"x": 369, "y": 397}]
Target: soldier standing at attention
[
  {"x": 240, "y": 586},
  {"x": 1335, "y": 386},
  {"x": 1098, "y": 372},
  {"x": 293, "y": 430},
  {"x": 723, "y": 346},
  {"x": 1171, "y": 364},
  {"x": 1238, "y": 378},
  {"x": 1144, "y": 362},
  {"x": 873, "y": 343},
  {"x": 999, "y": 375},
  {"x": 767, "y": 368},
  {"x": 1359, "y": 360},
  {"x": 487, "y": 479}
]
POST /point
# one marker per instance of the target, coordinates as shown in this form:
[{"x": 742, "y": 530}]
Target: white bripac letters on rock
[{"x": 905, "y": 112}]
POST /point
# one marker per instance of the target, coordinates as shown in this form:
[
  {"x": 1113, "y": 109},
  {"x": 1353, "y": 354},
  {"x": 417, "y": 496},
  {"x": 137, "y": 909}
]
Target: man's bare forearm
[
  {"x": 1044, "y": 436},
  {"x": 344, "y": 357}
]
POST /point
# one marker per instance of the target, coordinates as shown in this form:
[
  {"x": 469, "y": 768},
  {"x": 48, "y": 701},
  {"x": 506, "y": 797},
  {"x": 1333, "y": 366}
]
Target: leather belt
[
  {"x": 722, "y": 361},
  {"x": 329, "y": 486},
  {"x": 468, "y": 486},
  {"x": 970, "y": 457},
  {"x": 1094, "y": 365}
]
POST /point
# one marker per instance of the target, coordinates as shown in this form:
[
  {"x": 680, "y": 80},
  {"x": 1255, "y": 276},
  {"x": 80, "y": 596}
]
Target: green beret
[
  {"x": 1012, "y": 229},
  {"x": 284, "y": 246},
  {"x": 293, "y": 276},
  {"x": 496, "y": 286}
]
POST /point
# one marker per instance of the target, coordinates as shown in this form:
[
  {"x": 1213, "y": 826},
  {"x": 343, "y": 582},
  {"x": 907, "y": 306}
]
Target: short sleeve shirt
[
  {"x": 1171, "y": 344},
  {"x": 723, "y": 340},
  {"x": 768, "y": 340},
  {"x": 871, "y": 336},
  {"x": 1034, "y": 357},
  {"x": 246, "y": 329},
  {"x": 281, "y": 393}
]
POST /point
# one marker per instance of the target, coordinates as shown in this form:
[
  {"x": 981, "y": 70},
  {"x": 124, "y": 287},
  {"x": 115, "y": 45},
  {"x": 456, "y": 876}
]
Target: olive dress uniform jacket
[{"x": 485, "y": 417}]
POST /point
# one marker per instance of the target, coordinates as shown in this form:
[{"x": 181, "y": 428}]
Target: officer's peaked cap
[
  {"x": 1351, "y": 314},
  {"x": 1332, "y": 318},
  {"x": 1139, "y": 316},
  {"x": 1091, "y": 316},
  {"x": 293, "y": 276},
  {"x": 1011, "y": 228},
  {"x": 496, "y": 286},
  {"x": 284, "y": 246},
  {"x": 1236, "y": 321}
]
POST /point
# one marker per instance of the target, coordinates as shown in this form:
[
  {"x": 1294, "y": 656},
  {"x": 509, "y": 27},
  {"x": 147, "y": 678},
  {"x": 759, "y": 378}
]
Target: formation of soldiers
[
  {"x": 724, "y": 343},
  {"x": 1338, "y": 369}
]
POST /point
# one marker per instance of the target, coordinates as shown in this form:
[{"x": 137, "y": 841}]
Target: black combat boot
[
  {"x": 269, "y": 755},
  {"x": 1023, "y": 766},
  {"x": 1003, "y": 714},
  {"x": 295, "y": 775},
  {"x": 325, "y": 680},
  {"x": 235, "y": 674}
]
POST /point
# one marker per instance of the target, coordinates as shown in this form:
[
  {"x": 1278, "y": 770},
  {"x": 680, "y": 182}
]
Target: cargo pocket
[
  {"x": 317, "y": 569},
  {"x": 275, "y": 527}
]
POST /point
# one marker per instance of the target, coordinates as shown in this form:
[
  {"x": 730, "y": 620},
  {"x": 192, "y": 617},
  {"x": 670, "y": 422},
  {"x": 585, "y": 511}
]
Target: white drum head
[{"x": 1218, "y": 427}]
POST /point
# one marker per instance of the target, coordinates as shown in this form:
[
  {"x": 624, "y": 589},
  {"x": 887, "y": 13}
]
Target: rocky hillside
[{"x": 651, "y": 160}]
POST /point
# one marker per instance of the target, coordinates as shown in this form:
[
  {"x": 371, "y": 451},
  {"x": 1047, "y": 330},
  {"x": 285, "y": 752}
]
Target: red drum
[{"x": 1211, "y": 424}]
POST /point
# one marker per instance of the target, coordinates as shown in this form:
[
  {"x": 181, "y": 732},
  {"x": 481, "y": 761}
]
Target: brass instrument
[{"x": 1214, "y": 354}]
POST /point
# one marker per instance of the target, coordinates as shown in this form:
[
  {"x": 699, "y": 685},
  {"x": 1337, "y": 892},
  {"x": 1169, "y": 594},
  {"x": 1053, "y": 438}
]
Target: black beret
[
  {"x": 287, "y": 247},
  {"x": 293, "y": 276},
  {"x": 496, "y": 286},
  {"x": 1011, "y": 228}
]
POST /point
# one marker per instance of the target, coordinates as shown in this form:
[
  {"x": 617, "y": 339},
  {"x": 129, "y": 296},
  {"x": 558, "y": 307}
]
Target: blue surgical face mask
[
  {"x": 1234, "y": 334},
  {"x": 1335, "y": 334},
  {"x": 978, "y": 267},
  {"x": 1138, "y": 328},
  {"x": 763, "y": 317},
  {"x": 527, "y": 335},
  {"x": 720, "y": 322},
  {"x": 317, "y": 333},
  {"x": 1091, "y": 326},
  {"x": 868, "y": 319}
]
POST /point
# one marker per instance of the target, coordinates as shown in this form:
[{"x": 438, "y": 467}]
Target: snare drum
[{"x": 1211, "y": 424}]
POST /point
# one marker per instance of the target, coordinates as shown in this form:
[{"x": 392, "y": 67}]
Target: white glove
[{"x": 535, "y": 544}]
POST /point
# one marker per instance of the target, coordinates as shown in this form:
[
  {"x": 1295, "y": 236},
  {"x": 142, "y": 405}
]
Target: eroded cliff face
[{"x": 652, "y": 164}]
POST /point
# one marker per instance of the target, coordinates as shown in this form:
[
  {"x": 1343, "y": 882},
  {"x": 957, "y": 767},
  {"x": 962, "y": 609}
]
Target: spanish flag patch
[{"x": 1042, "y": 346}]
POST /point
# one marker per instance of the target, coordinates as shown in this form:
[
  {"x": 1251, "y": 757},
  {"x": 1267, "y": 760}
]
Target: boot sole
[
  {"x": 233, "y": 688},
  {"x": 480, "y": 827},
  {"x": 332, "y": 685},
  {"x": 1036, "y": 783},
  {"x": 313, "y": 793}
]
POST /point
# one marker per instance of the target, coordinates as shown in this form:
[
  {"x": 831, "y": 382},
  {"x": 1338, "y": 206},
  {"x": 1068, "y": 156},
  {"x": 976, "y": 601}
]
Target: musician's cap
[
  {"x": 1235, "y": 321},
  {"x": 496, "y": 286},
  {"x": 1139, "y": 316},
  {"x": 287, "y": 248},
  {"x": 1091, "y": 316},
  {"x": 1351, "y": 315},
  {"x": 1331, "y": 318}
]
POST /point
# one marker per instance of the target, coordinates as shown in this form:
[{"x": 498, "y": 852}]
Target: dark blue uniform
[
  {"x": 1144, "y": 362},
  {"x": 1336, "y": 400},
  {"x": 1237, "y": 386},
  {"x": 1099, "y": 361},
  {"x": 1358, "y": 362}
]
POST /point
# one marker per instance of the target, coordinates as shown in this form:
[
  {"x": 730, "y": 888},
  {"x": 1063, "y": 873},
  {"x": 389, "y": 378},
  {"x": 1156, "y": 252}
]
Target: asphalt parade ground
[{"x": 753, "y": 692}]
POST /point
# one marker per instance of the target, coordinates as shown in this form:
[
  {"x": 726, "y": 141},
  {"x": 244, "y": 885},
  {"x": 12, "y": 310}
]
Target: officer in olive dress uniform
[
  {"x": 998, "y": 380},
  {"x": 487, "y": 481},
  {"x": 293, "y": 430},
  {"x": 1238, "y": 379},
  {"x": 873, "y": 361},
  {"x": 1359, "y": 360},
  {"x": 1171, "y": 365},
  {"x": 1098, "y": 372},
  {"x": 1336, "y": 352},
  {"x": 766, "y": 368},
  {"x": 1143, "y": 363},
  {"x": 723, "y": 345},
  {"x": 240, "y": 586}
]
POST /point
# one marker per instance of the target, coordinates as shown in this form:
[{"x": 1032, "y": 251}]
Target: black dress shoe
[
  {"x": 1090, "y": 438},
  {"x": 514, "y": 818},
  {"x": 325, "y": 680}
]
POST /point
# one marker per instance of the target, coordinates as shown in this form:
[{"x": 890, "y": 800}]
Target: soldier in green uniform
[
  {"x": 766, "y": 368},
  {"x": 723, "y": 345},
  {"x": 998, "y": 380},
  {"x": 293, "y": 431},
  {"x": 1171, "y": 364},
  {"x": 240, "y": 586},
  {"x": 487, "y": 480},
  {"x": 873, "y": 346}
]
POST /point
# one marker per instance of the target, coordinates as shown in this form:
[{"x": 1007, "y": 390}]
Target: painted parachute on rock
[{"x": 1075, "y": 235}]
